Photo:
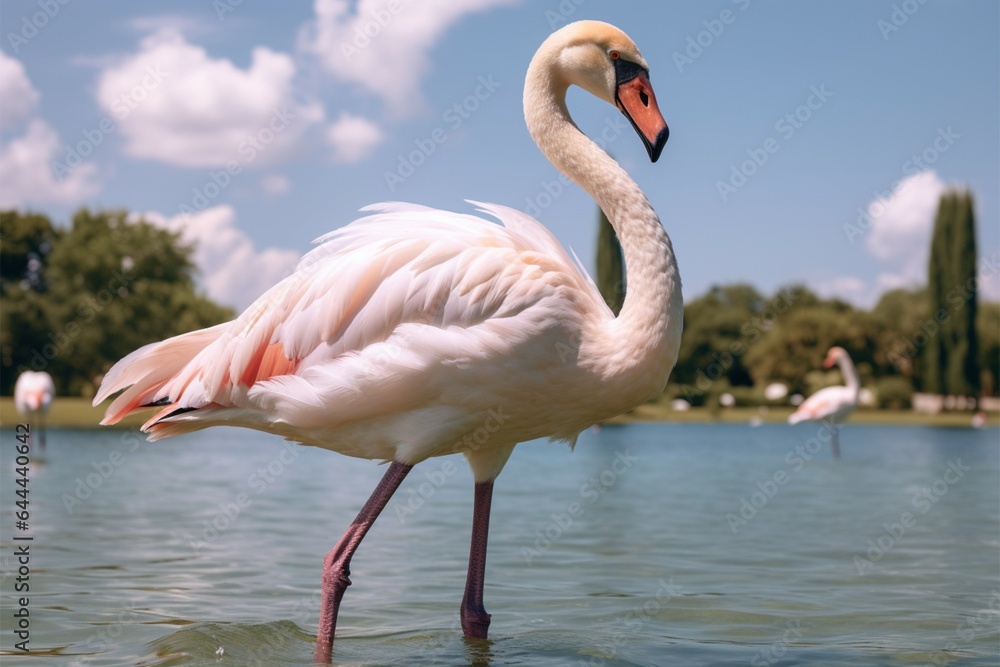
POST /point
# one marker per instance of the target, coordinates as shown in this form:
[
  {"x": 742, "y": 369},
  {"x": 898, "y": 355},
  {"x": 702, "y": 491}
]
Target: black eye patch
[{"x": 626, "y": 70}]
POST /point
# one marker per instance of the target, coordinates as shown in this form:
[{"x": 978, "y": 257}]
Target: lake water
[{"x": 636, "y": 549}]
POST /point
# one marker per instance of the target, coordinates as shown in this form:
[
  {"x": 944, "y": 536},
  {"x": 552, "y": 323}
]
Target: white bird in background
[
  {"x": 33, "y": 396},
  {"x": 832, "y": 404},
  {"x": 413, "y": 328}
]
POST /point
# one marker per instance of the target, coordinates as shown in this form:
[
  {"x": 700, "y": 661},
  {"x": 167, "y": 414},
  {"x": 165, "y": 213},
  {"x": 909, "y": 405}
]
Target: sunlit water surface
[{"x": 635, "y": 549}]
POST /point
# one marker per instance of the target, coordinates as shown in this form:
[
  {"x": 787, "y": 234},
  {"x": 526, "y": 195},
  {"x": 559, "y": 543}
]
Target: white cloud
[
  {"x": 385, "y": 52},
  {"x": 847, "y": 288},
  {"x": 901, "y": 225},
  {"x": 26, "y": 175},
  {"x": 900, "y": 238},
  {"x": 989, "y": 275},
  {"x": 890, "y": 281},
  {"x": 352, "y": 138},
  {"x": 233, "y": 271},
  {"x": 17, "y": 96},
  {"x": 176, "y": 104},
  {"x": 275, "y": 185},
  {"x": 26, "y": 163}
]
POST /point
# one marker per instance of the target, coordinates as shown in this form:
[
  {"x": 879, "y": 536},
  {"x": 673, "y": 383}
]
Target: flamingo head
[
  {"x": 602, "y": 60},
  {"x": 34, "y": 391},
  {"x": 833, "y": 356}
]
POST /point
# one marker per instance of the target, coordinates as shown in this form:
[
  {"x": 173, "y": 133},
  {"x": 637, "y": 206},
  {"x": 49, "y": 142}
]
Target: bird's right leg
[
  {"x": 337, "y": 565},
  {"x": 475, "y": 620}
]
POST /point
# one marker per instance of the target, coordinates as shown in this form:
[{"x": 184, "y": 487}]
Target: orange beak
[
  {"x": 831, "y": 359},
  {"x": 636, "y": 99}
]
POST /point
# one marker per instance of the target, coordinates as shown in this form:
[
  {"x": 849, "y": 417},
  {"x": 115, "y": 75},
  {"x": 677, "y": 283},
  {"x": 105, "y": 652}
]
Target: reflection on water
[{"x": 648, "y": 545}]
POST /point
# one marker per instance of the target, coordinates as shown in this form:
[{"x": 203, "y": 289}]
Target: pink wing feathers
[{"x": 369, "y": 309}]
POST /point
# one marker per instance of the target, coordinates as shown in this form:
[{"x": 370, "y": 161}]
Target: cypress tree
[
  {"x": 962, "y": 374},
  {"x": 934, "y": 353},
  {"x": 951, "y": 356},
  {"x": 610, "y": 265}
]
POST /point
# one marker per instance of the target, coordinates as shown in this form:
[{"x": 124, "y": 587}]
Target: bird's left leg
[
  {"x": 337, "y": 565},
  {"x": 475, "y": 620}
]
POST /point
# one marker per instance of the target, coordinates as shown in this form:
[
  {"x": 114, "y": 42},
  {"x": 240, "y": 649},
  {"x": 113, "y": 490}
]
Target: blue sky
[{"x": 838, "y": 96}]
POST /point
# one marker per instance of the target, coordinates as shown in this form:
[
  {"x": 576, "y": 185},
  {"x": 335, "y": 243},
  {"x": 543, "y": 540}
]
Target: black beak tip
[{"x": 656, "y": 147}]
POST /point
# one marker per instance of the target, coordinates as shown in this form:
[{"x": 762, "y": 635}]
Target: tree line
[
  {"x": 937, "y": 339},
  {"x": 739, "y": 340},
  {"x": 77, "y": 299}
]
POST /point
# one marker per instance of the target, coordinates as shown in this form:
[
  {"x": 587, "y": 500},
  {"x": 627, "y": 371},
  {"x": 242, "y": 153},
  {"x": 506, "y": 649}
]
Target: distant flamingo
[
  {"x": 832, "y": 404},
  {"x": 33, "y": 396},
  {"x": 414, "y": 327}
]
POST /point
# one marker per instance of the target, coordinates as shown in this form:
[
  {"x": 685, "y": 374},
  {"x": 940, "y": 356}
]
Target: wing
[
  {"x": 378, "y": 319},
  {"x": 824, "y": 403}
]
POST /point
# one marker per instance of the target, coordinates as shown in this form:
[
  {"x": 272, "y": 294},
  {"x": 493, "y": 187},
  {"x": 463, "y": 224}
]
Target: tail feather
[
  {"x": 182, "y": 420},
  {"x": 134, "y": 398},
  {"x": 797, "y": 417},
  {"x": 144, "y": 372}
]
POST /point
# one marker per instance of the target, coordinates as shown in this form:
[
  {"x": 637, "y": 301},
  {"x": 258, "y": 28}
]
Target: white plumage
[
  {"x": 412, "y": 327},
  {"x": 34, "y": 392},
  {"x": 392, "y": 340},
  {"x": 832, "y": 404}
]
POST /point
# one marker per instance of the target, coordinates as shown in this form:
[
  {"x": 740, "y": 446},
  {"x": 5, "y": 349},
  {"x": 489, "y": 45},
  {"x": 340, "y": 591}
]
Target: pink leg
[
  {"x": 337, "y": 565},
  {"x": 475, "y": 620}
]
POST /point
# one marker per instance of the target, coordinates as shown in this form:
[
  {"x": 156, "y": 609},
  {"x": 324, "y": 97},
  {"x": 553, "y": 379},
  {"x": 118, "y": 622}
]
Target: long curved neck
[
  {"x": 850, "y": 373},
  {"x": 651, "y": 318}
]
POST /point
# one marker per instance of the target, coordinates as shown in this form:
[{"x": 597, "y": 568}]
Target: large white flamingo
[
  {"x": 413, "y": 327},
  {"x": 34, "y": 392},
  {"x": 832, "y": 404}
]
